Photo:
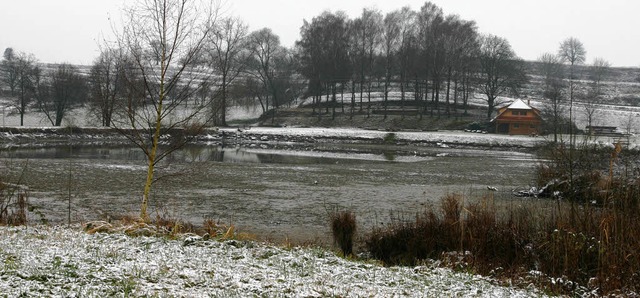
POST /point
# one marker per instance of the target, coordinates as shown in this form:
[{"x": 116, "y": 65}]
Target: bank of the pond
[{"x": 12, "y": 137}]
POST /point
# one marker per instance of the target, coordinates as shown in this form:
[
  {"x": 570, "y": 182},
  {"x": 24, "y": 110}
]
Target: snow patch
[{"x": 61, "y": 262}]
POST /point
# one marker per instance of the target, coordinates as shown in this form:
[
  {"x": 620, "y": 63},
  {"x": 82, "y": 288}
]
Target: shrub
[
  {"x": 343, "y": 229},
  {"x": 477, "y": 126},
  {"x": 13, "y": 205},
  {"x": 390, "y": 138}
]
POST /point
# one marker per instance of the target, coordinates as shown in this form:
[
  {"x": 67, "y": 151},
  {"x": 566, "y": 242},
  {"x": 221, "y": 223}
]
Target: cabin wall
[{"x": 518, "y": 122}]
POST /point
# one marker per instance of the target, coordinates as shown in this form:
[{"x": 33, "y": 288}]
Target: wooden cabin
[{"x": 518, "y": 118}]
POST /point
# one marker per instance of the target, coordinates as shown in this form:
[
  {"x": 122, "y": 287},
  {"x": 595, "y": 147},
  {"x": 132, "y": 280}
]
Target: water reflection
[
  {"x": 203, "y": 153},
  {"x": 197, "y": 153}
]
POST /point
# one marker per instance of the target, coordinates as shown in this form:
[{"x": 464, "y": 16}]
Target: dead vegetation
[
  {"x": 584, "y": 241},
  {"x": 343, "y": 229},
  {"x": 165, "y": 226}
]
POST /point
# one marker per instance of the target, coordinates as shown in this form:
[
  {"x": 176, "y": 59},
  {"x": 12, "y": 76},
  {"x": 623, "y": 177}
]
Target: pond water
[{"x": 271, "y": 193}]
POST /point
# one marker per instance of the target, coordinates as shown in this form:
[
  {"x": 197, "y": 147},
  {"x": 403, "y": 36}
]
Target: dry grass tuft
[{"x": 343, "y": 229}]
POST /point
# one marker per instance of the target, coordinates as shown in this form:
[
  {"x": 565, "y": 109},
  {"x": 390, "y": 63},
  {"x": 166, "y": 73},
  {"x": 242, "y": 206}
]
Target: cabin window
[
  {"x": 516, "y": 125},
  {"x": 519, "y": 113}
]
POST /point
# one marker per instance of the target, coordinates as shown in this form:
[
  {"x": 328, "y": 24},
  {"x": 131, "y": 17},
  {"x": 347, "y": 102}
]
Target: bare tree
[
  {"x": 164, "y": 39},
  {"x": 430, "y": 19},
  {"x": 554, "y": 86},
  {"x": 66, "y": 88},
  {"x": 23, "y": 68},
  {"x": 390, "y": 44},
  {"x": 107, "y": 78},
  {"x": 408, "y": 49},
  {"x": 502, "y": 71},
  {"x": 9, "y": 68},
  {"x": 225, "y": 48},
  {"x": 572, "y": 51},
  {"x": 598, "y": 72},
  {"x": 458, "y": 42},
  {"x": 19, "y": 74},
  {"x": 264, "y": 46},
  {"x": 366, "y": 32}
]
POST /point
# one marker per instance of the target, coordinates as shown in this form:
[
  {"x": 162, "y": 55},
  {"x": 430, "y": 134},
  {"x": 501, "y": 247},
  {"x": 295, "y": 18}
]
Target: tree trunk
[
  {"x": 353, "y": 97},
  {"x": 223, "y": 104},
  {"x": 334, "y": 101},
  {"x": 386, "y": 95},
  {"x": 455, "y": 95},
  {"x": 342, "y": 97},
  {"x": 402, "y": 95},
  {"x": 369, "y": 99},
  {"x": 326, "y": 107},
  {"x": 437, "y": 97},
  {"x": 152, "y": 154},
  {"x": 448, "y": 92}
]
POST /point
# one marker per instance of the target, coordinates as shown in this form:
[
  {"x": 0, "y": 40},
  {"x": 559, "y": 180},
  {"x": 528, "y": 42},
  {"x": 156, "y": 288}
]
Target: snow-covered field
[
  {"x": 626, "y": 118},
  {"x": 62, "y": 262},
  {"x": 82, "y": 117}
]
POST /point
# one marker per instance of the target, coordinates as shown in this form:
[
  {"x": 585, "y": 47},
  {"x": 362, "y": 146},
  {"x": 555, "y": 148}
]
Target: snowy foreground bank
[{"x": 61, "y": 262}]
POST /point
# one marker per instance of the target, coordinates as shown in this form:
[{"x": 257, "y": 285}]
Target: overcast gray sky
[{"x": 69, "y": 30}]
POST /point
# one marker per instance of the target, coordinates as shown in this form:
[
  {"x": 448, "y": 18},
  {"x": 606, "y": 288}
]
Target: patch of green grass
[{"x": 11, "y": 262}]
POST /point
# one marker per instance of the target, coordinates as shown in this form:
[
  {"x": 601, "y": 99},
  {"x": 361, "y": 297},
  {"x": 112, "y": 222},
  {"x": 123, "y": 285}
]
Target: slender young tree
[
  {"x": 165, "y": 39},
  {"x": 572, "y": 52}
]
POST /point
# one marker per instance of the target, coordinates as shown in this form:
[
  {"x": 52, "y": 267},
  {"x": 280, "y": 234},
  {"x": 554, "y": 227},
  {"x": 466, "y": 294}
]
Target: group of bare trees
[
  {"x": 435, "y": 61},
  {"x": 429, "y": 57},
  {"x": 560, "y": 72},
  {"x": 51, "y": 91}
]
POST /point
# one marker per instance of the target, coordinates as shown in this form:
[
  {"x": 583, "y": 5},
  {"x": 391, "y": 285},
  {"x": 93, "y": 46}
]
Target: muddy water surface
[{"x": 274, "y": 194}]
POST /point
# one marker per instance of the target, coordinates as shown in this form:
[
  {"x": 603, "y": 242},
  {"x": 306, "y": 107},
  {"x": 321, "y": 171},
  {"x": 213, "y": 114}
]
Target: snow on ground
[
  {"x": 61, "y": 262},
  {"x": 82, "y": 117},
  {"x": 443, "y": 137}
]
